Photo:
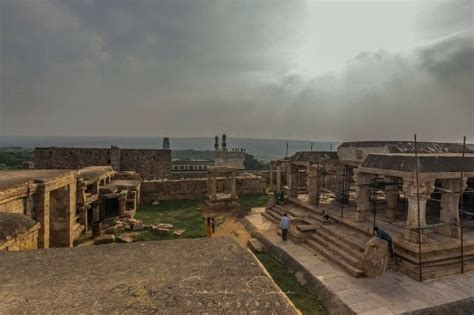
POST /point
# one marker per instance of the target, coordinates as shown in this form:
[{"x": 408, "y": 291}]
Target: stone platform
[
  {"x": 198, "y": 276},
  {"x": 392, "y": 293}
]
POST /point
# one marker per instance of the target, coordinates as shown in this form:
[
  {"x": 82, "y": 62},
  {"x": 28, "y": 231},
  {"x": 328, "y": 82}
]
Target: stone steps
[
  {"x": 341, "y": 245},
  {"x": 334, "y": 258},
  {"x": 335, "y": 248}
]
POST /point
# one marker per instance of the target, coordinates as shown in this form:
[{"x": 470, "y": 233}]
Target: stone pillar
[
  {"x": 449, "y": 212},
  {"x": 391, "y": 194},
  {"x": 362, "y": 196},
  {"x": 71, "y": 213},
  {"x": 425, "y": 189},
  {"x": 271, "y": 179},
  {"x": 122, "y": 204},
  {"x": 43, "y": 215},
  {"x": 233, "y": 186},
  {"x": 293, "y": 181},
  {"x": 313, "y": 184},
  {"x": 278, "y": 188}
]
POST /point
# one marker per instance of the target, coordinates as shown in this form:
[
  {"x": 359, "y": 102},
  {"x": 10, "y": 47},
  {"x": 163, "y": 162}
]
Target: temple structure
[{"x": 427, "y": 201}]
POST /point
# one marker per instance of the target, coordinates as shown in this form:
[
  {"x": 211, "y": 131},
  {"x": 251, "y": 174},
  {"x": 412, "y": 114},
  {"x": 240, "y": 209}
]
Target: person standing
[
  {"x": 385, "y": 236},
  {"x": 213, "y": 224},
  {"x": 284, "y": 226}
]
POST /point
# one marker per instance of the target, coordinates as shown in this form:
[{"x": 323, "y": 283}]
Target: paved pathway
[{"x": 392, "y": 293}]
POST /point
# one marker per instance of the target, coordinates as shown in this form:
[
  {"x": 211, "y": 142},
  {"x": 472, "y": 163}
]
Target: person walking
[{"x": 284, "y": 226}]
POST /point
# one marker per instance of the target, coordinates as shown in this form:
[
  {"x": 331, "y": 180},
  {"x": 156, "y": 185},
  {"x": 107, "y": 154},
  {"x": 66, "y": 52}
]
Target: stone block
[
  {"x": 104, "y": 239},
  {"x": 375, "y": 257},
  {"x": 124, "y": 239},
  {"x": 179, "y": 232}
]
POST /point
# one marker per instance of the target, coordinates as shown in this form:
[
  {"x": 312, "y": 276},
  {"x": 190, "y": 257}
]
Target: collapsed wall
[{"x": 196, "y": 188}]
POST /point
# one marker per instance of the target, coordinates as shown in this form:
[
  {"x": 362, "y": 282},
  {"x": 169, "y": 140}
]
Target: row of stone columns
[{"x": 449, "y": 203}]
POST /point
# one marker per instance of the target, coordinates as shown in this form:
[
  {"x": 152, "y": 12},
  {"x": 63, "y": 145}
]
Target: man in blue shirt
[
  {"x": 284, "y": 226},
  {"x": 385, "y": 236}
]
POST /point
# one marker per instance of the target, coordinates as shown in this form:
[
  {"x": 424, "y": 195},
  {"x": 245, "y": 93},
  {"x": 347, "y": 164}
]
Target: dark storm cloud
[{"x": 189, "y": 68}]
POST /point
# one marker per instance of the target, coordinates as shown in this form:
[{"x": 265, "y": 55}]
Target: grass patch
[
  {"x": 183, "y": 214},
  {"x": 304, "y": 300},
  {"x": 253, "y": 201}
]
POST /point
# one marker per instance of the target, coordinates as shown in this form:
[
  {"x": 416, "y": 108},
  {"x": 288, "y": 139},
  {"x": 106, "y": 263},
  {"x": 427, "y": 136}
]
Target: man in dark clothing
[{"x": 385, "y": 236}]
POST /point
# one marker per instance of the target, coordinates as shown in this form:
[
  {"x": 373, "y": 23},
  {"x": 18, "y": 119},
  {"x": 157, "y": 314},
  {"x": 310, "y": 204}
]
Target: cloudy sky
[{"x": 335, "y": 70}]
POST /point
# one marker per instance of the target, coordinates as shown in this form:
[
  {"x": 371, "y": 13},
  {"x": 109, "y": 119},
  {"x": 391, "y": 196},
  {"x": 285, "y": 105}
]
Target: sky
[{"x": 310, "y": 70}]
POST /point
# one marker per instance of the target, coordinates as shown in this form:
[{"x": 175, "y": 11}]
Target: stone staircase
[{"x": 339, "y": 244}]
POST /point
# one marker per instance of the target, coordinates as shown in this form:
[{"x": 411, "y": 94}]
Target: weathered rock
[
  {"x": 165, "y": 225},
  {"x": 110, "y": 230},
  {"x": 137, "y": 226},
  {"x": 162, "y": 230},
  {"x": 124, "y": 239},
  {"x": 271, "y": 203},
  {"x": 179, "y": 232},
  {"x": 104, "y": 239},
  {"x": 255, "y": 245},
  {"x": 119, "y": 228},
  {"x": 375, "y": 257}
]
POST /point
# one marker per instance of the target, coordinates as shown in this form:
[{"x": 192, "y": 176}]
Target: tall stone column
[
  {"x": 278, "y": 188},
  {"x": 271, "y": 179},
  {"x": 362, "y": 196},
  {"x": 293, "y": 181},
  {"x": 449, "y": 212},
  {"x": 71, "y": 213},
  {"x": 43, "y": 215},
  {"x": 425, "y": 189},
  {"x": 313, "y": 184},
  {"x": 391, "y": 194}
]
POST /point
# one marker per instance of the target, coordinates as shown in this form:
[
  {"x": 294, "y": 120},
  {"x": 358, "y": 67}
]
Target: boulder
[
  {"x": 165, "y": 225},
  {"x": 179, "y": 232},
  {"x": 124, "y": 239},
  {"x": 104, "y": 239},
  {"x": 137, "y": 226},
  {"x": 376, "y": 257}
]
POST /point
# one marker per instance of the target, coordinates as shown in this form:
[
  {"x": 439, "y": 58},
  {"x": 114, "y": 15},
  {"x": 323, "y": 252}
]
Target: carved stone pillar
[
  {"x": 391, "y": 194},
  {"x": 313, "y": 184},
  {"x": 42, "y": 204},
  {"x": 449, "y": 212},
  {"x": 362, "y": 196},
  {"x": 122, "y": 205},
  {"x": 271, "y": 178},
  {"x": 293, "y": 181},
  {"x": 425, "y": 190},
  {"x": 278, "y": 188}
]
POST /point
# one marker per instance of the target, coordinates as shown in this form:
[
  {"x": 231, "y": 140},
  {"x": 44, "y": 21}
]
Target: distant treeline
[{"x": 13, "y": 158}]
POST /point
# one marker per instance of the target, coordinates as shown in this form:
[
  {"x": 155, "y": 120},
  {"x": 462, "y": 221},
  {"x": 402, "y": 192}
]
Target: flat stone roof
[
  {"x": 93, "y": 172},
  {"x": 409, "y": 146},
  {"x": 12, "y": 179},
  {"x": 12, "y": 224},
  {"x": 199, "y": 276},
  {"x": 313, "y": 156},
  {"x": 427, "y": 163}
]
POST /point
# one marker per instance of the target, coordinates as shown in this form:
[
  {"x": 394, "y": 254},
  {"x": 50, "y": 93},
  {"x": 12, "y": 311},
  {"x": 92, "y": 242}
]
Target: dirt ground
[{"x": 229, "y": 225}]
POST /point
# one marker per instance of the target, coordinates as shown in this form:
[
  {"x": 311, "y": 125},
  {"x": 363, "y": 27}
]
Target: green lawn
[
  {"x": 304, "y": 300},
  {"x": 183, "y": 214},
  {"x": 252, "y": 201}
]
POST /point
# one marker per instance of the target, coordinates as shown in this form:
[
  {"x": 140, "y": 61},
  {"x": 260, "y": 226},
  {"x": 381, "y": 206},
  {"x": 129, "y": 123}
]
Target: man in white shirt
[{"x": 284, "y": 226}]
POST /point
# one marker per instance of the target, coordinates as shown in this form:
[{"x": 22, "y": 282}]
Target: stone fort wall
[
  {"x": 149, "y": 163},
  {"x": 195, "y": 188}
]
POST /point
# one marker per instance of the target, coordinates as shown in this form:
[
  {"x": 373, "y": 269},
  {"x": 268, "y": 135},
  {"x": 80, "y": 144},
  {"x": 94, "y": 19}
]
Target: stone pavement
[{"x": 392, "y": 293}]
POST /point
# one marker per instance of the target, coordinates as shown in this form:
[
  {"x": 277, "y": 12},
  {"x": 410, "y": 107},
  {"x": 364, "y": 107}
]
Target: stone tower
[{"x": 166, "y": 143}]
